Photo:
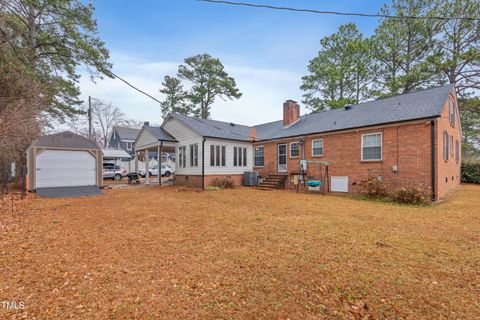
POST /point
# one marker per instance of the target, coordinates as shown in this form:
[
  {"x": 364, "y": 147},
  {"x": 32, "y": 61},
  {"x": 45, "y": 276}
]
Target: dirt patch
[{"x": 151, "y": 253}]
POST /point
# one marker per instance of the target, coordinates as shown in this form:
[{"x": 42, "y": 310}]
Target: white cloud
[{"x": 264, "y": 90}]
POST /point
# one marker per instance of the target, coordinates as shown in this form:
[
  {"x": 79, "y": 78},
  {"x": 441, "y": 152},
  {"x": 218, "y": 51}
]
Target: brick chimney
[
  {"x": 252, "y": 134},
  {"x": 291, "y": 112}
]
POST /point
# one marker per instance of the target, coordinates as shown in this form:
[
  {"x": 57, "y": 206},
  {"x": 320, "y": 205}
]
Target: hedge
[{"x": 471, "y": 171}]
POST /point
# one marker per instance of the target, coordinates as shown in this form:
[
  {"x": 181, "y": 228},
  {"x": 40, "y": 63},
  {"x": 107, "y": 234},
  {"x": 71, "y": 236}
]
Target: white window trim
[
  {"x": 381, "y": 146},
  {"x": 323, "y": 148},
  {"x": 261, "y": 146},
  {"x": 131, "y": 145},
  {"x": 290, "y": 149}
]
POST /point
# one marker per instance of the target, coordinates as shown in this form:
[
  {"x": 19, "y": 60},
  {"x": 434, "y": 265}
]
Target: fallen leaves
[{"x": 244, "y": 254}]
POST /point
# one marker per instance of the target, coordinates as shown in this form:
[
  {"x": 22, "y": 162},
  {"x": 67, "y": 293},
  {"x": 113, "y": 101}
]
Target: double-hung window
[
  {"x": 182, "y": 157},
  {"x": 259, "y": 156},
  {"x": 194, "y": 155},
  {"x": 317, "y": 147},
  {"x": 457, "y": 150},
  {"x": 445, "y": 145},
  {"x": 239, "y": 157},
  {"x": 452, "y": 113},
  {"x": 372, "y": 147},
  {"x": 217, "y": 155},
  {"x": 294, "y": 150},
  {"x": 450, "y": 145},
  {"x": 129, "y": 145}
]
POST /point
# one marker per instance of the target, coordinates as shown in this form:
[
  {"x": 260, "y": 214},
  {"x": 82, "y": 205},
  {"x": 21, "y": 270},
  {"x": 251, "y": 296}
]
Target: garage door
[{"x": 58, "y": 168}]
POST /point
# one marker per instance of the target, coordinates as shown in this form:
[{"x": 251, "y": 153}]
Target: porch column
[
  {"x": 147, "y": 173},
  {"x": 136, "y": 161}
]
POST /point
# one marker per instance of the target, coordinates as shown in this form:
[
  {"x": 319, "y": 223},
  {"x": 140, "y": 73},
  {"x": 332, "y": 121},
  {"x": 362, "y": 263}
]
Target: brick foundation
[{"x": 195, "y": 181}]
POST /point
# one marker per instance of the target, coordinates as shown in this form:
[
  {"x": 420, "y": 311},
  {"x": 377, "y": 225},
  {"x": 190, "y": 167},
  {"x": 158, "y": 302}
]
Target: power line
[
  {"x": 125, "y": 81},
  {"x": 368, "y": 15}
]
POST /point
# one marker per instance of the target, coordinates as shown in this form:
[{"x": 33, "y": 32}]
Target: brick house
[{"x": 410, "y": 138}]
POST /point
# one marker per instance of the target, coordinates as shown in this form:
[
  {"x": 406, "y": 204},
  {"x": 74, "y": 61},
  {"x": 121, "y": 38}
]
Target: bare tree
[{"x": 105, "y": 117}]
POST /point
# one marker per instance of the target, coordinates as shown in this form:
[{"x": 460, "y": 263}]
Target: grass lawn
[{"x": 150, "y": 253}]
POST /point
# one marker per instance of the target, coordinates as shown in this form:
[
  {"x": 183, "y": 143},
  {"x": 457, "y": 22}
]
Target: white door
[
  {"x": 58, "y": 168},
  {"x": 282, "y": 157},
  {"x": 339, "y": 184}
]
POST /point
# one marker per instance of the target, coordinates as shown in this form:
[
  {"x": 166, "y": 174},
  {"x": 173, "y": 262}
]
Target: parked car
[
  {"x": 113, "y": 171},
  {"x": 153, "y": 171}
]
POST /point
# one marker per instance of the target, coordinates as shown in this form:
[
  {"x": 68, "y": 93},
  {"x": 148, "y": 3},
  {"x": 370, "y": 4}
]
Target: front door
[{"x": 282, "y": 157}]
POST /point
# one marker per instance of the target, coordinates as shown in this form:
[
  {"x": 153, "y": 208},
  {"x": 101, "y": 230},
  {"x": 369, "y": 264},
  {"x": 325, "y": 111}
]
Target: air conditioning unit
[{"x": 250, "y": 178}]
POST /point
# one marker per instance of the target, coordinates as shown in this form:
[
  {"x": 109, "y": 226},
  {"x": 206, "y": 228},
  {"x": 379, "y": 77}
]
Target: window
[
  {"x": 451, "y": 111},
  {"x": 457, "y": 150},
  {"x": 194, "y": 155},
  {"x": 445, "y": 145},
  {"x": 450, "y": 146},
  {"x": 371, "y": 147},
  {"x": 129, "y": 145},
  {"x": 259, "y": 156},
  {"x": 217, "y": 155},
  {"x": 239, "y": 156},
  {"x": 212, "y": 155},
  {"x": 294, "y": 150},
  {"x": 182, "y": 157},
  {"x": 317, "y": 148}
]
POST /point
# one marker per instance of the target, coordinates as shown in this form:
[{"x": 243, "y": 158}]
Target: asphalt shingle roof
[
  {"x": 417, "y": 105},
  {"x": 214, "y": 128},
  {"x": 127, "y": 133},
  {"x": 65, "y": 139},
  {"x": 160, "y": 134}
]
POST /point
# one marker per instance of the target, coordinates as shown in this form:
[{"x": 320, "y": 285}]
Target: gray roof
[
  {"x": 66, "y": 140},
  {"x": 215, "y": 129},
  {"x": 127, "y": 133},
  {"x": 160, "y": 134},
  {"x": 417, "y": 105}
]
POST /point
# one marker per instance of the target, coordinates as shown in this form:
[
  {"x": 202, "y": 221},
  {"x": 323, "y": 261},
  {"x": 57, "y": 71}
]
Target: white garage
[{"x": 64, "y": 160}]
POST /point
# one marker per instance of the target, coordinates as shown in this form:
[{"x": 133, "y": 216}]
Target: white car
[{"x": 153, "y": 171}]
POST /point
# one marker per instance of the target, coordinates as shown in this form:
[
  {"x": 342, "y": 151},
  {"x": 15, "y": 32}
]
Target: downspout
[
  {"x": 203, "y": 163},
  {"x": 160, "y": 163},
  {"x": 434, "y": 198}
]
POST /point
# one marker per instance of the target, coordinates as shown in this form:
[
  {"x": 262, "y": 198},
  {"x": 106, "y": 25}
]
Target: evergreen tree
[
  {"x": 175, "y": 97},
  {"x": 341, "y": 73},
  {"x": 209, "y": 81}
]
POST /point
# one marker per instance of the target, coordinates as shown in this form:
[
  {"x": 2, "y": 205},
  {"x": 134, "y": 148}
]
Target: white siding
[
  {"x": 145, "y": 139},
  {"x": 229, "y": 168},
  {"x": 185, "y": 137}
]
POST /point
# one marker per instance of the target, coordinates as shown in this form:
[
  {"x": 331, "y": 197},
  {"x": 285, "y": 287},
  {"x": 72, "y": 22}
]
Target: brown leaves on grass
[{"x": 158, "y": 253}]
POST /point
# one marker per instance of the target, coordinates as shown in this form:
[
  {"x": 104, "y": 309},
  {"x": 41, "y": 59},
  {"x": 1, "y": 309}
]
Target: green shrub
[
  {"x": 412, "y": 194},
  {"x": 222, "y": 183},
  {"x": 374, "y": 187},
  {"x": 471, "y": 171}
]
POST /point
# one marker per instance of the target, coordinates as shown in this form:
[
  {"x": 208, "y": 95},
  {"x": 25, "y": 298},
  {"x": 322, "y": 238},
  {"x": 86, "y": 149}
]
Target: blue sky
[{"x": 266, "y": 51}]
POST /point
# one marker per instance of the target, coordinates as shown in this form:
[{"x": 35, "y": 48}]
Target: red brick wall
[
  {"x": 195, "y": 181},
  {"x": 448, "y": 172},
  {"x": 408, "y": 146}
]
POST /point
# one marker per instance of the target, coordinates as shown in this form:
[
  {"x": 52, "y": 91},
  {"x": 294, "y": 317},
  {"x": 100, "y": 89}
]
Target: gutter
[
  {"x": 203, "y": 163},
  {"x": 434, "y": 165}
]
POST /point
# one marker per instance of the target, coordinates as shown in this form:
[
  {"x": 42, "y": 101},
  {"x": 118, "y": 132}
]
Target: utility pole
[{"x": 89, "y": 117}]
